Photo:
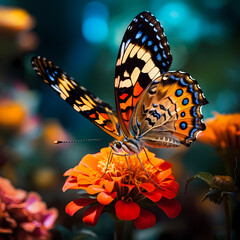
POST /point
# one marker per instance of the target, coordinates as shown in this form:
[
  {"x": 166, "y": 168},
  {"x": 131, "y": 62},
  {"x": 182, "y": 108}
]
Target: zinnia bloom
[
  {"x": 12, "y": 116},
  {"x": 13, "y": 20},
  {"x": 24, "y": 215},
  {"x": 122, "y": 187},
  {"x": 223, "y": 133}
]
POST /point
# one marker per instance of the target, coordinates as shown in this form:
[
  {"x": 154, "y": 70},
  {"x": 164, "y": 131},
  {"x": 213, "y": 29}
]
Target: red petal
[
  {"x": 154, "y": 196},
  {"x": 92, "y": 214},
  {"x": 148, "y": 187},
  {"x": 164, "y": 166},
  {"x": 127, "y": 210},
  {"x": 145, "y": 219},
  {"x": 78, "y": 204},
  {"x": 105, "y": 198},
  {"x": 171, "y": 189},
  {"x": 170, "y": 206}
]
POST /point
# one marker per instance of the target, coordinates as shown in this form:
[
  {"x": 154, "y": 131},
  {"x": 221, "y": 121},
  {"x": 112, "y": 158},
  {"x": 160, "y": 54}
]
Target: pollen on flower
[
  {"x": 122, "y": 185},
  {"x": 129, "y": 167}
]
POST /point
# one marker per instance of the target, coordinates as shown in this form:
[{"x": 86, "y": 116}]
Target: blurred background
[{"x": 83, "y": 38}]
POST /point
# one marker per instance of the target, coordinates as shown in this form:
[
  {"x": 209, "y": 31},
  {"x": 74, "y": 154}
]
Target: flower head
[
  {"x": 14, "y": 20},
  {"x": 222, "y": 132},
  {"x": 123, "y": 187},
  {"x": 23, "y": 215}
]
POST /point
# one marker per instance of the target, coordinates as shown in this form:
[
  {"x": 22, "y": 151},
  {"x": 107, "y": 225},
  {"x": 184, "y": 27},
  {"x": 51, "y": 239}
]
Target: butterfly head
[{"x": 127, "y": 146}]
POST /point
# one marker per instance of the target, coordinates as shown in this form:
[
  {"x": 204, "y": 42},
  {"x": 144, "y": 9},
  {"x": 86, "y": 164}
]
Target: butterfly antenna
[
  {"x": 148, "y": 173},
  {"x": 79, "y": 141}
]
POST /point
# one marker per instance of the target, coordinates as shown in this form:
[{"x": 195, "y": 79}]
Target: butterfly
[{"x": 154, "y": 106}]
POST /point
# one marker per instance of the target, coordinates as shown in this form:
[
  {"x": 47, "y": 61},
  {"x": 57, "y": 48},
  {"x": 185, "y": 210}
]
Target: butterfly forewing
[
  {"x": 78, "y": 97},
  {"x": 169, "y": 111},
  {"x": 143, "y": 56}
]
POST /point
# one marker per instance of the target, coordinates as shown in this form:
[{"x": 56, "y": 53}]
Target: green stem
[
  {"x": 227, "y": 217},
  {"x": 119, "y": 230}
]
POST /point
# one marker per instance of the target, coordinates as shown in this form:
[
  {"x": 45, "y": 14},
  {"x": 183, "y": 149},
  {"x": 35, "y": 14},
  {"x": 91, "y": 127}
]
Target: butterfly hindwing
[
  {"x": 169, "y": 111},
  {"x": 144, "y": 55},
  {"x": 83, "y": 101}
]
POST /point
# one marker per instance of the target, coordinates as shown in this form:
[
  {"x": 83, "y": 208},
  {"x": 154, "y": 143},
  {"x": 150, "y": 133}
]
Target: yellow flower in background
[{"x": 14, "y": 20}]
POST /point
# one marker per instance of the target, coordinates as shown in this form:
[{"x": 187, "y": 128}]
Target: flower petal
[
  {"x": 93, "y": 189},
  {"x": 50, "y": 218},
  {"x": 105, "y": 198},
  {"x": 170, "y": 206},
  {"x": 127, "y": 210},
  {"x": 164, "y": 166},
  {"x": 154, "y": 196},
  {"x": 92, "y": 214},
  {"x": 71, "y": 183},
  {"x": 90, "y": 162},
  {"x": 170, "y": 189},
  {"x": 78, "y": 204},
  {"x": 163, "y": 175},
  {"x": 149, "y": 187},
  {"x": 109, "y": 185},
  {"x": 146, "y": 219}
]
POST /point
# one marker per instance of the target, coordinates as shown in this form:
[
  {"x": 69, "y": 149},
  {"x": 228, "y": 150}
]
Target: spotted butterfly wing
[
  {"x": 169, "y": 111},
  {"x": 143, "y": 56},
  {"x": 83, "y": 101}
]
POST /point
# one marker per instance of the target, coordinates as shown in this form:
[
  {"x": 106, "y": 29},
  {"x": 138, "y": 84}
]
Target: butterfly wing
[
  {"x": 83, "y": 101},
  {"x": 169, "y": 111},
  {"x": 143, "y": 56}
]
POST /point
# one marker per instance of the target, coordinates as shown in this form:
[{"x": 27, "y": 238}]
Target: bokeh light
[{"x": 95, "y": 22}]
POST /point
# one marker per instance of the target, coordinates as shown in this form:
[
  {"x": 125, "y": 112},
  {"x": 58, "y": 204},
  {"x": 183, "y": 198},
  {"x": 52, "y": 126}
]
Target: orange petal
[
  {"x": 109, "y": 185},
  {"x": 163, "y": 175},
  {"x": 170, "y": 206},
  {"x": 127, "y": 210},
  {"x": 78, "y": 204},
  {"x": 92, "y": 214},
  {"x": 105, "y": 198},
  {"x": 70, "y": 183},
  {"x": 90, "y": 161},
  {"x": 93, "y": 189},
  {"x": 146, "y": 219}
]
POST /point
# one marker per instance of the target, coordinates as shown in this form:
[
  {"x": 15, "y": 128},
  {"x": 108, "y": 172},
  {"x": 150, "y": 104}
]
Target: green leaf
[{"x": 206, "y": 177}]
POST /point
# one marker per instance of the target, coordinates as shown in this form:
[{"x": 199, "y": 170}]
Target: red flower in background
[
  {"x": 23, "y": 215},
  {"x": 123, "y": 187}
]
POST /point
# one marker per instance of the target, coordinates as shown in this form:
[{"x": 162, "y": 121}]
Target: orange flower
[
  {"x": 14, "y": 20},
  {"x": 123, "y": 187},
  {"x": 12, "y": 115},
  {"x": 222, "y": 132},
  {"x": 23, "y": 215}
]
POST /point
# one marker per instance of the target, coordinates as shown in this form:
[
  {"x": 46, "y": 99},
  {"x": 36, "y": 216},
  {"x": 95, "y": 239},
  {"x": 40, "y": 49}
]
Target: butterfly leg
[
  {"x": 148, "y": 173},
  {"x": 108, "y": 162},
  {"x": 149, "y": 159}
]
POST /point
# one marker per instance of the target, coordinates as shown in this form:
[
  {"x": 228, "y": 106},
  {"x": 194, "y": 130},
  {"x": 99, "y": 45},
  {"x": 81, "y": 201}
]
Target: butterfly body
[{"x": 154, "y": 107}]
